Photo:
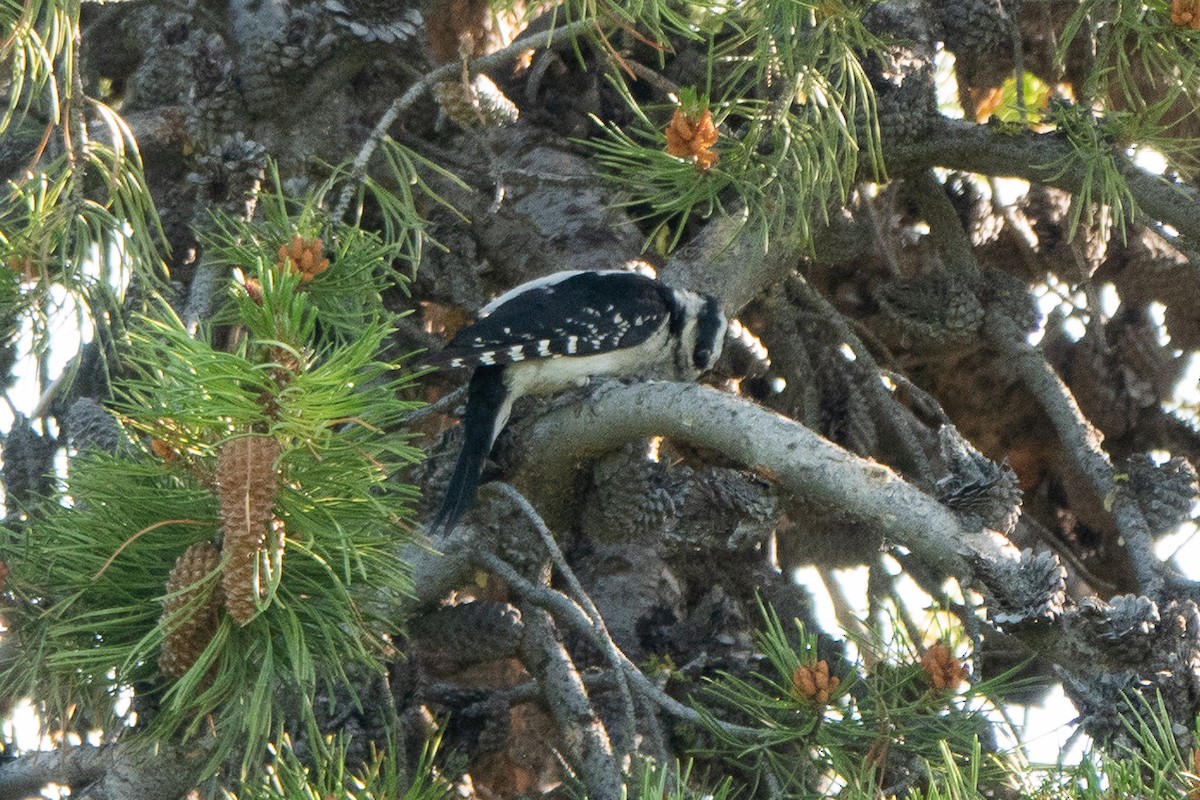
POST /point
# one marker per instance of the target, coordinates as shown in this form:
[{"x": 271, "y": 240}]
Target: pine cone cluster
[
  {"x": 247, "y": 482},
  {"x": 190, "y": 610}
]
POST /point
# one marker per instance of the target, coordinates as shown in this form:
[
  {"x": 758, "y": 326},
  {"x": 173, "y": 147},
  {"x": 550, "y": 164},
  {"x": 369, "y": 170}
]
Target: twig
[
  {"x": 572, "y": 615},
  {"x": 583, "y": 734},
  {"x": 945, "y": 229},
  {"x": 603, "y": 637},
  {"x": 651, "y": 77},
  {"x": 1081, "y": 442},
  {"x": 450, "y": 401},
  {"x": 868, "y": 369},
  {"x": 431, "y": 79},
  {"x": 843, "y": 611}
]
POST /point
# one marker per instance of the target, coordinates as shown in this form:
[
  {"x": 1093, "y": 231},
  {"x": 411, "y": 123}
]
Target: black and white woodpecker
[{"x": 556, "y": 332}]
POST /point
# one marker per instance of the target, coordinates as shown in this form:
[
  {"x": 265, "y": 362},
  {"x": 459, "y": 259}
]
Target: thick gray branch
[
  {"x": 116, "y": 772},
  {"x": 70, "y": 766},
  {"x": 728, "y": 262},
  {"x": 805, "y": 465}
]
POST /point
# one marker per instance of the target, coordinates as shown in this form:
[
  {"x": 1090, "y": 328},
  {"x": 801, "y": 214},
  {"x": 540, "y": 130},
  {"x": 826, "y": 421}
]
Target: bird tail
[{"x": 488, "y": 406}]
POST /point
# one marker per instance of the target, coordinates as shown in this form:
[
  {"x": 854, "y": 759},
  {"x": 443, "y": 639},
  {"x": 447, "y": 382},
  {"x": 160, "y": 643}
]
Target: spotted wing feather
[{"x": 582, "y": 314}]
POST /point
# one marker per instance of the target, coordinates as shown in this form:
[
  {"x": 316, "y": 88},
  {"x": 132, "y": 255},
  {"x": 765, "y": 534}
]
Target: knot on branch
[
  {"x": 983, "y": 493},
  {"x": 1028, "y": 589}
]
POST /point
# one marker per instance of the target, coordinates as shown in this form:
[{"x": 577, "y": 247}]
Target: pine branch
[
  {"x": 1083, "y": 443},
  {"x": 955, "y": 144},
  {"x": 425, "y": 84},
  {"x": 801, "y": 462}
]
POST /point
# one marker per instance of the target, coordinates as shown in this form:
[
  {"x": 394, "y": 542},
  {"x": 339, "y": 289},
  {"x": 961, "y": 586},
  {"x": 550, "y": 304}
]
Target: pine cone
[
  {"x": 932, "y": 309},
  {"x": 1121, "y": 629},
  {"x": 230, "y": 172},
  {"x": 1165, "y": 493},
  {"x": 28, "y": 468},
  {"x": 91, "y": 427},
  {"x": 189, "y": 615},
  {"x": 482, "y": 105},
  {"x": 247, "y": 481},
  {"x": 375, "y": 20},
  {"x": 972, "y": 25},
  {"x": 1026, "y": 590},
  {"x": 983, "y": 493},
  {"x": 632, "y": 499},
  {"x": 1010, "y": 295}
]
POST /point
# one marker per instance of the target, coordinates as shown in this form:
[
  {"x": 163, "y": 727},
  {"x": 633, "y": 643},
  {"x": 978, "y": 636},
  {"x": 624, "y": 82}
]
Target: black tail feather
[{"x": 487, "y": 398}]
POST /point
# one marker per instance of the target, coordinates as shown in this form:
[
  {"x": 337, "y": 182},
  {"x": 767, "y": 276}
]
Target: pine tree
[{"x": 213, "y": 560}]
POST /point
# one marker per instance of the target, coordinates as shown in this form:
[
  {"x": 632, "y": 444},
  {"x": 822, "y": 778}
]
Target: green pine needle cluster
[
  {"x": 886, "y": 732},
  {"x": 795, "y": 112},
  {"x": 79, "y": 218},
  {"x": 297, "y": 365},
  {"x": 289, "y": 778},
  {"x": 1146, "y": 78},
  {"x": 881, "y": 726}
]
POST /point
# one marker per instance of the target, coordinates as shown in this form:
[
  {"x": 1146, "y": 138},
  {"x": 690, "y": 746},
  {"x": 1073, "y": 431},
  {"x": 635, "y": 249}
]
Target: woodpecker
[{"x": 556, "y": 332}]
